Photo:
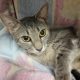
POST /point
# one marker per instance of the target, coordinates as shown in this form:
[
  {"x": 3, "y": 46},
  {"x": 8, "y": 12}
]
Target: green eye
[
  {"x": 42, "y": 33},
  {"x": 26, "y": 38}
]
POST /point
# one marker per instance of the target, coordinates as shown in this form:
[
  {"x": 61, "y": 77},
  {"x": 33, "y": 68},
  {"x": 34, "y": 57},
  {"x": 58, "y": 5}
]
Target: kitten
[{"x": 56, "y": 49}]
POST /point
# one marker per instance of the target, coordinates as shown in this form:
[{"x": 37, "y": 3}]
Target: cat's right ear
[
  {"x": 42, "y": 15},
  {"x": 9, "y": 22}
]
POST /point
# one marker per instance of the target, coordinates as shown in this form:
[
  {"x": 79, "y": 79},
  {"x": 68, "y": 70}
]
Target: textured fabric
[
  {"x": 3, "y": 5},
  {"x": 7, "y": 7}
]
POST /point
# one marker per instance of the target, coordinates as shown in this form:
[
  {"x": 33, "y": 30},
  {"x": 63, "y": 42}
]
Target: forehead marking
[{"x": 27, "y": 31}]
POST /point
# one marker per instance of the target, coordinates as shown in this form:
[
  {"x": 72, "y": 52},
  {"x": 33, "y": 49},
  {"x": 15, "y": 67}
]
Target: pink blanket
[{"x": 24, "y": 68}]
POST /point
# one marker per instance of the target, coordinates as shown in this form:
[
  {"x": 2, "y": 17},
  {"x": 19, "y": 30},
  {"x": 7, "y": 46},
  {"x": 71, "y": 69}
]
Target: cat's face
[
  {"x": 33, "y": 36},
  {"x": 30, "y": 33}
]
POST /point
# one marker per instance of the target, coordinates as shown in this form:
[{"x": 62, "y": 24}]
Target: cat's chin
[{"x": 35, "y": 54}]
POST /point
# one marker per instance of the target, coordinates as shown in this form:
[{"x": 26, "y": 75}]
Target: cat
[{"x": 57, "y": 49}]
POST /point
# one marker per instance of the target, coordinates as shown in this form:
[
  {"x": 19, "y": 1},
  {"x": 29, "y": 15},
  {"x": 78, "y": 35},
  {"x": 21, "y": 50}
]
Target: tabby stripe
[
  {"x": 38, "y": 28},
  {"x": 27, "y": 32}
]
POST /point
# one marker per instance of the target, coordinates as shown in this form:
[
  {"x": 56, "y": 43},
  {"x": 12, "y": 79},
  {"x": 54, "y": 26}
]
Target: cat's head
[{"x": 31, "y": 33}]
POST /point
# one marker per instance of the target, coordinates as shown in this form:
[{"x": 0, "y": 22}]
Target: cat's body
[
  {"x": 60, "y": 50},
  {"x": 56, "y": 49}
]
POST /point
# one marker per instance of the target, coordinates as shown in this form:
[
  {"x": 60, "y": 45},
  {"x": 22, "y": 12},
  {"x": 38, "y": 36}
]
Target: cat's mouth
[{"x": 35, "y": 52}]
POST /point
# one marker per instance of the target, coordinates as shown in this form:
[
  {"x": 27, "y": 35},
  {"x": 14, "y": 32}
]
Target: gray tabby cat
[{"x": 56, "y": 49}]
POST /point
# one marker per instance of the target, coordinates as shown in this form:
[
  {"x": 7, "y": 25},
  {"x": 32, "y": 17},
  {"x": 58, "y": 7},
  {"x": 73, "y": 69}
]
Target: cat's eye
[
  {"x": 42, "y": 33},
  {"x": 26, "y": 38}
]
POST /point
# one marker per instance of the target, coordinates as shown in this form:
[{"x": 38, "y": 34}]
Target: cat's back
[
  {"x": 61, "y": 39},
  {"x": 61, "y": 34}
]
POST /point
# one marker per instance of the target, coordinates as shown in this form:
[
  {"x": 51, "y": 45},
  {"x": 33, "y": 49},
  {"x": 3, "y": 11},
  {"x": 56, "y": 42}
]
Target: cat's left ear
[
  {"x": 42, "y": 15},
  {"x": 9, "y": 22}
]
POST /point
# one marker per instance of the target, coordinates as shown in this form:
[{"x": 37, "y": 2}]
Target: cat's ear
[
  {"x": 42, "y": 15},
  {"x": 9, "y": 23}
]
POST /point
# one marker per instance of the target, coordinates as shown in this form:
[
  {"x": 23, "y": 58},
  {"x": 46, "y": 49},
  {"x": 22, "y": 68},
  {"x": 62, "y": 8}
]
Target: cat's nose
[
  {"x": 38, "y": 45},
  {"x": 39, "y": 49}
]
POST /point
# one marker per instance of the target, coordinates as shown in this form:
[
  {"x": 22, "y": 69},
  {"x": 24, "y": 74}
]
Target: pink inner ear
[
  {"x": 43, "y": 13},
  {"x": 42, "y": 19}
]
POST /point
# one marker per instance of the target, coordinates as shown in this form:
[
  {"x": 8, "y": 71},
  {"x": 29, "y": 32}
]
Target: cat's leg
[{"x": 63, "y": 66}]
